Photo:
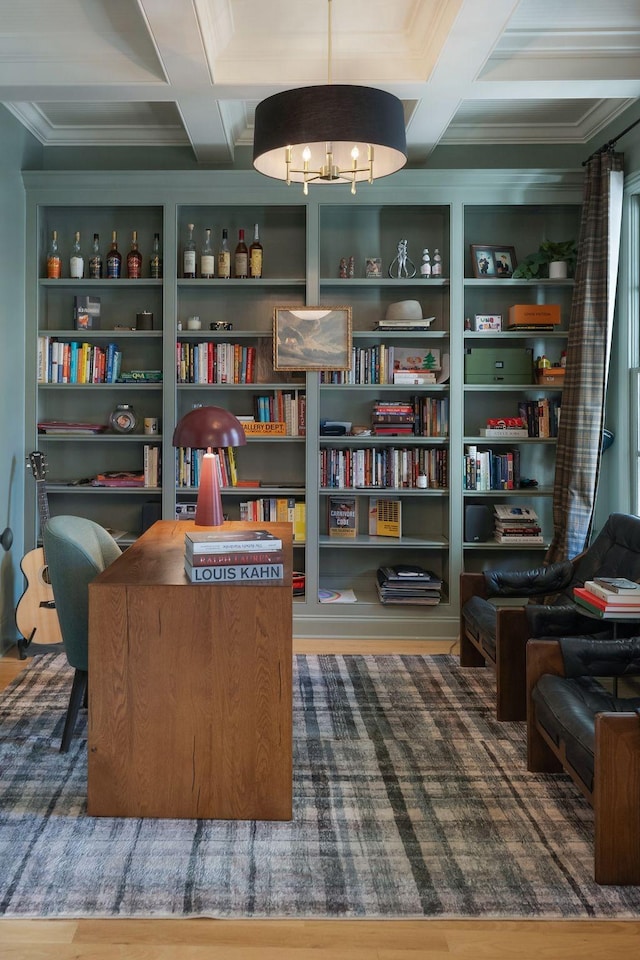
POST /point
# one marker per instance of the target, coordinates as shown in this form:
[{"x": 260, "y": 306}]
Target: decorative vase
[{"x": 558, "y": 270}]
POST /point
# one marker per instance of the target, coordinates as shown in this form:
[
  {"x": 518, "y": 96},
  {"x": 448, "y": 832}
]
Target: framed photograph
[
  {"x": 489, "y": 260},
  {"x": 373, "y": 267},
  {"x": 312, "y": 338}
]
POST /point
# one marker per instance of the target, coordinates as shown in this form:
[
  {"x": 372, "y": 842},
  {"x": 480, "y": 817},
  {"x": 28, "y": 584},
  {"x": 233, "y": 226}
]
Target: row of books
[
  {"x": 516, "y": 524},
  {"x": 610, "y": 596},
  {"x": 76, "y": 362},
  {"x": 408, "y": 584},
  {"x": 277, "y": 510},
  {"x": 151, "y": 469},
  {"x": 283, "y": 406},
  {"x": 215, "y": 363},
  {"x": 189, "y": 461},
  {"x": 379, "y": 364},
  {"x": 229, "y": 556},
  {"x": 542, "y": 416},
  {"x": 490, "y": 469},
  {"x": 384, "y": 467}
]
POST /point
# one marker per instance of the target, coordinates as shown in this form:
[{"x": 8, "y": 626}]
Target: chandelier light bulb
[{"x": 355, "y": 153}]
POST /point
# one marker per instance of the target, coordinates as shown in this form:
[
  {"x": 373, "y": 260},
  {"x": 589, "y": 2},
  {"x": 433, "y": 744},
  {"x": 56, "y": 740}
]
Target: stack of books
[
  {"x": 393, "y": 418},
  {"x": 231, "y": 556},
  {"x": 610, "y": 596},
  {"x": 516, "y": 524},
  {"x": 423, "y": 323},
  {"x": 408, "y": 584}
]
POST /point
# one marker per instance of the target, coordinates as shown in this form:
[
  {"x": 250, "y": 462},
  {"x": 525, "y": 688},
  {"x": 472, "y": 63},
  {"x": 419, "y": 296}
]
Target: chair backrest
[
  {"x": 77, "y": 550},
  {"x": 614, "y": 553}
]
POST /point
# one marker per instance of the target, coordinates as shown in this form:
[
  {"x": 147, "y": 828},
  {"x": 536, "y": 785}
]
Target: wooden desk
[{"x": 190, "y": 709}]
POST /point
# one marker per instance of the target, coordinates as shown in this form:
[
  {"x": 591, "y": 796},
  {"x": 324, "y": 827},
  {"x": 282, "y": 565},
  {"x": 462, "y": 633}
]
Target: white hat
[{"x": 404, "y": 310}]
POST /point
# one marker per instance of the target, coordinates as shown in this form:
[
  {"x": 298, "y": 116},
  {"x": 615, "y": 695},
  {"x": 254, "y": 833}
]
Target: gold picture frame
[{"x": 311, "y": 338}]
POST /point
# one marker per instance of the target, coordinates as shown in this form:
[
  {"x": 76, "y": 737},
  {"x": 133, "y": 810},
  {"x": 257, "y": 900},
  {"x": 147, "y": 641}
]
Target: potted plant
[{"x": 549, "y": 255}]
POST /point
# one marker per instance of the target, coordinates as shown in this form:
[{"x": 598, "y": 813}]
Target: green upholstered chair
[{"x": 77, "y": 550}]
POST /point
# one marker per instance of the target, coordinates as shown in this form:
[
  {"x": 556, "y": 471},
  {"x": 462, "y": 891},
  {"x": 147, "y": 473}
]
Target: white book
[
  {"x": 235, "y": 573},
  {"x": 611, "y": 596},
  {"x": 537, "y": 538},
  {"x": 507, "y": 432},
  {"x": 255, "y": 541}
]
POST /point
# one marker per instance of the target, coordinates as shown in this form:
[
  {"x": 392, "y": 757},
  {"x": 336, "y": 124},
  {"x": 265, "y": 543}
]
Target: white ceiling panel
[{"x": 158, "y": 72}]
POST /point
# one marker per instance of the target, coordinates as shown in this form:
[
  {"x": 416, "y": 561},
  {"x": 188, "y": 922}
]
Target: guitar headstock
[{"x": 38, "y": 464}]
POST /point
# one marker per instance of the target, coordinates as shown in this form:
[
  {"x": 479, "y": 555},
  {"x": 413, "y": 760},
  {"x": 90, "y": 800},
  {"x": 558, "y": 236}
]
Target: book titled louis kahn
[{"x": 236, "y": 573}]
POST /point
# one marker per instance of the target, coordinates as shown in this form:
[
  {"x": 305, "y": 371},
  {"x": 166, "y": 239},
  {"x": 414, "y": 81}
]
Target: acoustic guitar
[{"x": 36, "y": 616}]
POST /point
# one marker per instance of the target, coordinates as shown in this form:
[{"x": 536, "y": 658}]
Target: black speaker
[
  {"x": 478, "y": 523},
  {"x": 151, "y": 511}
]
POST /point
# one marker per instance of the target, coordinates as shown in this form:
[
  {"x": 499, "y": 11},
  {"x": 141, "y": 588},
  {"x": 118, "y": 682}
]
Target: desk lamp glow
[{"x": 207, "y": 428}]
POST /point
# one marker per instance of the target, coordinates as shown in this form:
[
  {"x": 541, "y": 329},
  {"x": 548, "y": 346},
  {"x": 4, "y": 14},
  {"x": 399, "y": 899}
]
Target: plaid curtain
[{"x": 588, "y": 351}]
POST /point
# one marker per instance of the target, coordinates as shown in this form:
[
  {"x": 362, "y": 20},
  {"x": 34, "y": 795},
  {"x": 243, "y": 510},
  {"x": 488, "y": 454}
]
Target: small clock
[{"x": 123, "y": 419}]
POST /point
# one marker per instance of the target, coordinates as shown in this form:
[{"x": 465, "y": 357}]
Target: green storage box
[{"x": 507, "y": 365}]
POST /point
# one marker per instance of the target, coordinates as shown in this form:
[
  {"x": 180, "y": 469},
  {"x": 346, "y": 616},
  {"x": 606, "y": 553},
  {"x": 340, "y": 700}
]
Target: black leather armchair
[
  {"x": 497, "y": 635},
  {"x": 575, "y": 725}
]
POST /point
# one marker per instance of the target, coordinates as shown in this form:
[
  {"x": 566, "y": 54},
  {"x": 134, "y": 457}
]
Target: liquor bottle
[
  {"x": 207, "y": 259},
  {"x": 134, "y": 259},
  {"x": 241, "y": 258},
  {"x": 95, "y": 260},
  {"x": 189, "y": 255},
  {"x": 436, "y": 268},
  {"x": 425, "y": 266},
  {"x": 155, "y": 263},
  {"x": 114, "y": 259},
  {"x": 224, "y": 257},
  {"x": 54, "y": 263},
  {"x": 76, "y": 261},
  {"x": 255, "y": 255}
]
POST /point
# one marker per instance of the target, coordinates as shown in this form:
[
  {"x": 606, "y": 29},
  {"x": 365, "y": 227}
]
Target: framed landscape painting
[{"x": 312, "y": 338}]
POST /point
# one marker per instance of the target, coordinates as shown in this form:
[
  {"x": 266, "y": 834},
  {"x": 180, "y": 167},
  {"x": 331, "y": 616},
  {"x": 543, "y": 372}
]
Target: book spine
[
  {"x": 234, "y": 558},
  {"x": 250, "y": 546},
  {"x": 238, "y": 573}
]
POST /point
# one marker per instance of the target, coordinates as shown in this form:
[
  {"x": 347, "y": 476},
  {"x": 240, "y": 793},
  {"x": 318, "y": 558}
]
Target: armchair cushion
[
  {"x": 589, "y": 657},
  {"x": 567, "y": 707}
]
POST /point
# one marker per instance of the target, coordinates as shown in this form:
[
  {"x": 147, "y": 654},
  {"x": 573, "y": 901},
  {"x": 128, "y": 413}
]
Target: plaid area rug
[{"x": 410, "y": 800}]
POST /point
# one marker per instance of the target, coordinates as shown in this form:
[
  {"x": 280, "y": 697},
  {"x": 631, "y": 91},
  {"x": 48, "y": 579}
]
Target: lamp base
[{"x": 209, "y": 505}]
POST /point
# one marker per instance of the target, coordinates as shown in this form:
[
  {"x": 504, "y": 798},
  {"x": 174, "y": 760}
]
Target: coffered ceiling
[{"x": 190, "y": 72}]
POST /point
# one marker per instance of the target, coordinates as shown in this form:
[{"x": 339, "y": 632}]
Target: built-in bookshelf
[{"x": 212, "y": 340}]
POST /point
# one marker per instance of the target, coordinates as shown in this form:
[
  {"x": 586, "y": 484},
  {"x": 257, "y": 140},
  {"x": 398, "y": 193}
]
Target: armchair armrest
[
  {"x": 586, "y": 657},
  {"x": 529, "y": 583},
  {"x": 560, "y": 620}
]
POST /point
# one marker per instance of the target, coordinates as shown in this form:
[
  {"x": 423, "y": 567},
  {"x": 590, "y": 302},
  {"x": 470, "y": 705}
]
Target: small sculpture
[
  {"x": 405, "y": 266},
  {"x": 343, "y": 268},
  {"x": 352, "y": 267}
]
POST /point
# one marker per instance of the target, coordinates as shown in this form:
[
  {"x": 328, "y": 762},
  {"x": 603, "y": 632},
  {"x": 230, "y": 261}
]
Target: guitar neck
[{"x": 43, "y": 504}]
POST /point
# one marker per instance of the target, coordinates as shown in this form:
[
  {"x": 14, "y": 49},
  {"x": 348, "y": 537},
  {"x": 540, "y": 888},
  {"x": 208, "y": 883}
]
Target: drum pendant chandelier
[{"x": 329, "y": 134}]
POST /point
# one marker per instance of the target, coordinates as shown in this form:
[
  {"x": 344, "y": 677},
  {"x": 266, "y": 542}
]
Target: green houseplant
[{"x": 535, "y": 265}]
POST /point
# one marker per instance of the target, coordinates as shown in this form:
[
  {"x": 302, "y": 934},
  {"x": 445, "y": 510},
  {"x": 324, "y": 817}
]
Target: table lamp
[{"x": 206, "y": 428}]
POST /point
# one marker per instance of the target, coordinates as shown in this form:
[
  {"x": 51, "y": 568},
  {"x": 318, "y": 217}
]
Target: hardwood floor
[{"x": 315, "y": 939}]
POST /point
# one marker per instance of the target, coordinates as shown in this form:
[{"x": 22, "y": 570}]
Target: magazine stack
[
  {"x": 610, "y": 597},
  {"x": 408, "y": 584},
  {"x": 516, "y": 524},
  {"x": 234, "y": 556}
]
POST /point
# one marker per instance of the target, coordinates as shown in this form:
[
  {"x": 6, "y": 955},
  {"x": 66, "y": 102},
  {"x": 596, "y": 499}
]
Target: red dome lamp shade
[{"x": 209, "y": 428}]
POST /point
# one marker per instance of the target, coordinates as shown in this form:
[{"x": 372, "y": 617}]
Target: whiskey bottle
[
  {"x": 224, "y": 257},
  {"x": 436, "y": 269},
  {"x": 76, "y": 261},
  {"x": 207, "y": 259},
  {"x": 54, "y": 263},
  {"x": 95, "y": 260},
  {"x": 255, "y": 255},
  {"x": 134, "y": 259},
  {"x": 114, "y": 259},
  {"x": 241, "y": 258},
  {"x": 155, "y": 263},
  {"x": 189, "y": 255}
]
